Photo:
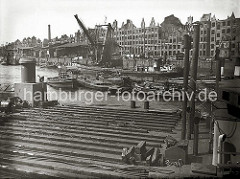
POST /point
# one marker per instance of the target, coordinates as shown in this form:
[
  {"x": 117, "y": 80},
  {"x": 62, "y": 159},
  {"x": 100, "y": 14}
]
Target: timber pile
[
  {"x": 78, "y": 142},
  {"x": 141, "y": 155}
]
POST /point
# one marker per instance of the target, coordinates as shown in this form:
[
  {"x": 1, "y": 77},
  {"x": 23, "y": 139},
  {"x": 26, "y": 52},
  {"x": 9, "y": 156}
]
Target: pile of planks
[
  {"x": 80, "y": 142},
  {"x": 140, "y": 154}
]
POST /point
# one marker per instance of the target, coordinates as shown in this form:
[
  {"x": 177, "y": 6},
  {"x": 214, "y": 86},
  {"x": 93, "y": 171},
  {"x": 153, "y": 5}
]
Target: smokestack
[{"x": 49, "y": 33}]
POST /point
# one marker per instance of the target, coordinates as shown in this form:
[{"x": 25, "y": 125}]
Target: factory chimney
[{"x": 49, "y": 33}]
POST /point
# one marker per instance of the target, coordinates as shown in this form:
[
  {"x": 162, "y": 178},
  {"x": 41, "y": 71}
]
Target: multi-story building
[
  {"x": 153, "y": 40},
  {"x": 165, "y": 40},
  {"x": 237, "y": 44},
  {"x": 172, "y": 32},
  {"x": 224, "y": 35},
  {"x": 133, "y": 40},
  {"x": 204, "y": 41}
]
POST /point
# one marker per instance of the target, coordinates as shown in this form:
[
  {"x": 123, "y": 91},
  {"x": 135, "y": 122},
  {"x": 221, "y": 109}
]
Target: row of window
[
  {"x": 147, "y": 36},
  {"x": 138, "y": 42},
  {"x": 202, "y": 53},
  {"x": 134, "y": 31},
  {"x": 224, "y": 23},
  {"x": 223, "y": 31},
  {"x": 149, "y": 42},
  {"x": 203, "y": 32},
  {"x": 169, "y": 53},
  {"x": 203, "y": 39}
]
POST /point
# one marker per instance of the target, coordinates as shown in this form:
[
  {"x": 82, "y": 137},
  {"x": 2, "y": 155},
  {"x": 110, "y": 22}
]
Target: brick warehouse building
[
  {"x": 205, "y": 28},
  {"x": 224, "y": 33},
  {"x": 165, "y": 40},
  {"x": 151, "y": 41}
]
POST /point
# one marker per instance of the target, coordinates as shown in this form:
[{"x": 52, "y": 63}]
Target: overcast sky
[{"x": 27, "y": 18}]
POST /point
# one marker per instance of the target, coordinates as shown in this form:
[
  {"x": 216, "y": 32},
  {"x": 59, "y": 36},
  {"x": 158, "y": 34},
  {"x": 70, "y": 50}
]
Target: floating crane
[
  {"x": 85, "y": 31},
  {"x": 103, "y": 51}
]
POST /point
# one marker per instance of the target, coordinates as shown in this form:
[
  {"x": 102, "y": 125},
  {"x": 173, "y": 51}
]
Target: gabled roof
[{"x": 206, "y": 17}]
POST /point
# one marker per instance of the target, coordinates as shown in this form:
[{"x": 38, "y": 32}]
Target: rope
[{"x": 232, "y": 132}]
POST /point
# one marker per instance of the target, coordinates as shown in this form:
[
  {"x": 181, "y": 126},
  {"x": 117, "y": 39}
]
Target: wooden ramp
[{"x": 77, "y": 142}]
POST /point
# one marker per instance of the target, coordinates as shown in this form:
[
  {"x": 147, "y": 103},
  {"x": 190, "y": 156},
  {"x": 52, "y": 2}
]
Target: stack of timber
[
  {"x": 77, "y": 142},
  {"x": 140, "y": 154}
]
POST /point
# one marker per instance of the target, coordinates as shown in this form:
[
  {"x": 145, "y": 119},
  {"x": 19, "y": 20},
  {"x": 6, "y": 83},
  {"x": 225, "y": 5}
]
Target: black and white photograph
[{"x": 119, "y": 89}]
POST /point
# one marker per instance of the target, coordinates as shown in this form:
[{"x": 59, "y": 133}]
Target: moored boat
[
  {"x": 65, "y": 79},
  {"x": 4, "y": 63},
  {"x": 58, "y": 82},
  {"x": 49, "y": 66},
  {"x": 94, "y": 84}
]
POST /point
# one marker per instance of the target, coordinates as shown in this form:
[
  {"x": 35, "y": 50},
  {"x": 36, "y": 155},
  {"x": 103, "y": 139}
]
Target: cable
[
  {"x": 219, "y": 129},
  {"x": 230, "y": 135},
  {"x": 233, "y": 131}
]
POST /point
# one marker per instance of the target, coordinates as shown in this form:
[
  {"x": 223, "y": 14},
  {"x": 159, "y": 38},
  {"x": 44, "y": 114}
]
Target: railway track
[{"x": 77, "y": 142}]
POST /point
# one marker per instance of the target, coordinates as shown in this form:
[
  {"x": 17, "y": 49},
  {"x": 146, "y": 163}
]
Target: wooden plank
[
  {"x": 155, "y": 156},
  {"x": 141, "y": 148},
  {"x": 149, "y": 152},
  {"x": 149, "y": 160},
  {"x": 203, "y": 169}
]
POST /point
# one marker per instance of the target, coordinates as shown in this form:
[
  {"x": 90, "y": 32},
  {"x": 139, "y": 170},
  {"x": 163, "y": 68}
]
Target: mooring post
[
  {"x": 210, "y": 129},
  {"x": 28, "y": 70},
  {"x": 187, "y": 47},
  {"x": 196, "y": 132},
  {"x": 146, "y": 104},
  {"x": 218, "y": 68},
  {"x": 133, "y": 104},
  {"x": 194, "y": 67}
]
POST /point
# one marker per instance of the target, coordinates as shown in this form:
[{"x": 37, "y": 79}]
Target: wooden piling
[
  {"x": 133, "y": 104},
  {"x": 196, "y": 133},
  {"x": 210, "y": 129},
  {"x": 146, "y": 104},
  {"x": 218, "y": 69},
  {"x": 194, "y": 67},
  {"x": 187, "y": 46}
]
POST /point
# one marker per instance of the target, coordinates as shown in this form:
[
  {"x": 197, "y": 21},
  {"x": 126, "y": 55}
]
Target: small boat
[
  {"x": 113, "y": 90},
  {"x": 4, "y": 63},
  {"x": 67, "y": 80},
  {"x": 126, "y": 85},
  {"x": 58, "y": 82},
  {"x": 48, "y": 65},
  {"x": 146, "y": 87},
  {"x": 94, "y": 84}
]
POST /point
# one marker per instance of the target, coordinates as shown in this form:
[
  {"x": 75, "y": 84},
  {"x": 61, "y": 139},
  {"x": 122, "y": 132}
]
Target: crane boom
[
  {"x": 85, "y": 30},
  {"x": 102, "y": 51}
]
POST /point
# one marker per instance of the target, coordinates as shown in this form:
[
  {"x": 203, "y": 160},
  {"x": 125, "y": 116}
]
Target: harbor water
[{"x": 82, "y": 96}]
